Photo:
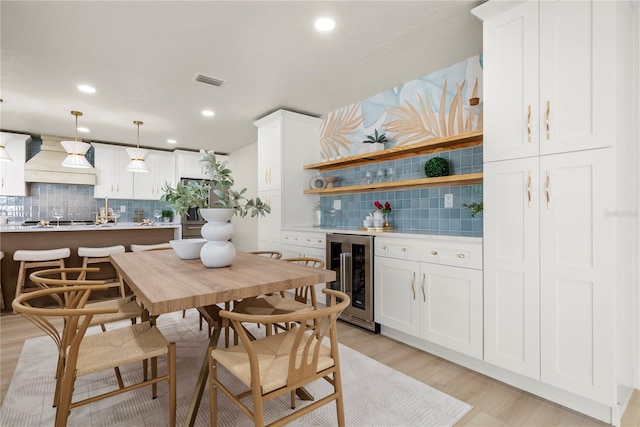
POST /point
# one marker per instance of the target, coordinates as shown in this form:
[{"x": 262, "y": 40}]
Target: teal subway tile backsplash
[{"x": 414, "y": 210}]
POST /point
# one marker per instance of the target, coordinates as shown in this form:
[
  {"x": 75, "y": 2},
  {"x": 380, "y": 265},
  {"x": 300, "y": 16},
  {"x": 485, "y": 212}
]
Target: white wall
[
  {"x": 244, "y": 164},
  {"x": 636, "y": 191}
]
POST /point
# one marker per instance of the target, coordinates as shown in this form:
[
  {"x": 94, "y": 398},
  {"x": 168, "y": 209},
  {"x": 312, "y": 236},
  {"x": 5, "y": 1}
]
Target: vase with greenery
[
  {"x": 217, "y": 203},
  {"x": 167, "y": 214},
  {"x": 376, "y": 140}
]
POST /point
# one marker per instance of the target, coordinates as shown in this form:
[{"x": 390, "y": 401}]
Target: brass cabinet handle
[
  {"x": 547, "y": 183},
  {"x": 434, "y": 253},
  {"x": 413, "y": 285},
  {"x": 405, "y": 250},
  {"x": 547, "y": 119},
  {"x": 461, "y": 256},
  {"x": 529, "y": 188},
  {"x": 424, "y": 294},
  {"x": 529, "y": 123}
]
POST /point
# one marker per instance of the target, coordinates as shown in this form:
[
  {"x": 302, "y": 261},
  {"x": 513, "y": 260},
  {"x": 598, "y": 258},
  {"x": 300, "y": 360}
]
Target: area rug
[{"x": 374, "y": 394}]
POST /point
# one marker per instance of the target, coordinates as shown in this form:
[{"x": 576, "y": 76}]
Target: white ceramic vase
[{"x": 218, "y": 251}]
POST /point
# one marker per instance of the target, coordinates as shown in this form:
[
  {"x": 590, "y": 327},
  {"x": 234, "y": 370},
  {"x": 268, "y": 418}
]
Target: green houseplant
[
  {"x": 167, "y": 214},
  {"x": 376, "y": 138},
  {"x": 196, "y": 194}
]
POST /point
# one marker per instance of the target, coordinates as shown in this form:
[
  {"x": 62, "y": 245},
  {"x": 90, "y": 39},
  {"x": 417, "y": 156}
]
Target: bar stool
[
  {"x": 142, "y": 248},
  {"x": 101, "y": 255},
  {"x": 36, "y": 259}
]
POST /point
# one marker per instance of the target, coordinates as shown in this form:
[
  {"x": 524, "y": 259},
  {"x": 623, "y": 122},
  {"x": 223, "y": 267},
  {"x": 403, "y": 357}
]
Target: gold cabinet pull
[
  {"x": 547, "y": 183},
  {"x": 529, "y": 188},
  {"x": 405, "y": 250},
  {"x": 413, "y": 285},
  {"x": 547, "y": 119},
  {"x": 461, "y": 256},
  {"x": 424, "y": 294},
  {"x": 434, "y": 253},
  {"x": 529, "y": 123}
]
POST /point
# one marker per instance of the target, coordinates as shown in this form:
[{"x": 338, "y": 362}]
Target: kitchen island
[{"x": 13, "y": 238}]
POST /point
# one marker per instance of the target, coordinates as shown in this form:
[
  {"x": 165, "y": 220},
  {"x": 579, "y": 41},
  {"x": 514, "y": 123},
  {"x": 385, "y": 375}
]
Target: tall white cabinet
[
  {"x": 12, "y": 173},
  {"x": 558, "y": 289},
  {"x": 286, "y": 140}
]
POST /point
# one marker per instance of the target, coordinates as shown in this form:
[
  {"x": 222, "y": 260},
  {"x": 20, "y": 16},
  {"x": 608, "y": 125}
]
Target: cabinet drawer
[
  {"x": 312, "y": 240},
  {"x": 399, "y": 248},
  {"x": 467, "y": 255}
]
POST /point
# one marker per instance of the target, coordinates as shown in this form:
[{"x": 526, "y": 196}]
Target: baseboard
[{"x": 580, "y": 404}]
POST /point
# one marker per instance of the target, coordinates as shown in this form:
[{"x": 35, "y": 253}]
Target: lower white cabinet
[
  {"x": 438, "y": 303},
  {"x": 297, "y": 244}
]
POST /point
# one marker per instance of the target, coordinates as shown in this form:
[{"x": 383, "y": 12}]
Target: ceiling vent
[{"x": 202, "y": 78}]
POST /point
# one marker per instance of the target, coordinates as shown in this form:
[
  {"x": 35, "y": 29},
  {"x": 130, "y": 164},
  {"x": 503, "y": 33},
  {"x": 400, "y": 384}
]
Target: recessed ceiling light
[
  {"x": 83, "y": 130},
  {"x": 325, "y": 24},
  {"x": 172, "y": 141},
  {"x": 208, "y": 113},
  {"x": 86, "y": 89}
]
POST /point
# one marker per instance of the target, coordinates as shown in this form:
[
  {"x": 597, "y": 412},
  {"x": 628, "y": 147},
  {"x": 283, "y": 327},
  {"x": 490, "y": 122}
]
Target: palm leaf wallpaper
[{"x": 433, "y": 106}]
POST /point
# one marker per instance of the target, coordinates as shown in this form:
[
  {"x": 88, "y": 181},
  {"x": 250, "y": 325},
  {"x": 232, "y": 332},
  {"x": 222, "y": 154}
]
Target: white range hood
[{"x": 46, "y": 166}]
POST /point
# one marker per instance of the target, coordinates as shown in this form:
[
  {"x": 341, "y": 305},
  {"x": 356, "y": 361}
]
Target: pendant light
[
  {"x": 137, "y": 155},
  {"x": 4, "y": 154},
  {"x": 76, "y": 150}
]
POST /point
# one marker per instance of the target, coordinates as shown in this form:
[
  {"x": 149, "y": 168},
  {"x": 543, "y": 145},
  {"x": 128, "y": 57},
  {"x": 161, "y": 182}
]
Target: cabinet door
[
  {"x": 123, "y": 180},
  {"x": 577, "y": 291},
  {"x": 577, "y": 75},
  {"x": 148, "y": 186},
  {"x": 511, "y": 266},
  {"x": 269, "y": 152},
  {"x": 269, "y": 226},
  {"x": 104, "y": 159},
  {"x": 12, "y": 173},
  {"x": 396, "y": 293},
  {"x": 451, "y": 307},
  {"x": 510, "y": 79}
]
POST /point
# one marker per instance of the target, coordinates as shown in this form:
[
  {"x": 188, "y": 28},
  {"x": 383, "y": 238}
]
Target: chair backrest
[
  {"x": 305, "y": 340},
  {"x": 61, "y": 277},
  {"x": 306, "y": 293},
  {"x": 268, "y": 254}
]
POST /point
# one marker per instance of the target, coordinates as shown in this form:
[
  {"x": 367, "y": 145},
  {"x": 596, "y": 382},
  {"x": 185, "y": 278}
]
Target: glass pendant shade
[
  {"x": 75, "y": 157},
  {"x": 4, "y": 155},
  {"x": 137, "y": 163},
  {"x": 76, "y": 150}
]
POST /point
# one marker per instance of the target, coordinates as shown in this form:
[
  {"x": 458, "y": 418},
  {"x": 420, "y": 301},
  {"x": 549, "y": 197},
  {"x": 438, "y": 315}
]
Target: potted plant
[
  {"x": 218, "y": 210},
  {"x": 167, "y": 214},
  {"x": 375, "y": 139}
]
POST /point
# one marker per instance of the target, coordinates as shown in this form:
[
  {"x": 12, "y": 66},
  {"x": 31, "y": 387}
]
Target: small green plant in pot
[
  {"x": 436, "y": 166},
  {"x": 376, "y": 138},
  {"x": 167, "y": 214},
  {"x": 196, "y": 194}
]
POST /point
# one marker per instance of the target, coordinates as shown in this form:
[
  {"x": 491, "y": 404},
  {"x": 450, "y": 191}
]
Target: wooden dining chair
[
  {"x": 268, "y": 254},
  {"x": 85, "y": 354},
  {"x": 279, "y": 364},
  {"x": 304, "y": 298}
]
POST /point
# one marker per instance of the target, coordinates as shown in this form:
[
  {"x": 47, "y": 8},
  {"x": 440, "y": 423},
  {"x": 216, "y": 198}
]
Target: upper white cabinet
[
  {"x": 148, "y": 185},
  {"x": 558, "y": 147},
  {"x": 549, "y": 68},
  {"x": 112, "y": 178},
  {"x": 286, "y": 142},
  {"x": 12, "y": 173}
]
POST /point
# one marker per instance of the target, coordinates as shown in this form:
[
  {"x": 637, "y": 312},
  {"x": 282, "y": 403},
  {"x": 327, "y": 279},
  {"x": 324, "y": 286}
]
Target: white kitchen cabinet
[
  {"x": 558, "y": 258},
  {"x": 286, "y": 141},
  {"x": 112, "y": 178},
  {"x": 270, "y": 225},
  {"x": 12, "y": 173},
  {"x": 148, "y": 185},
  {"x": 188, "y": 165},
  {"x": 297, "y": 244},
  {"x": 431, "y": 300},
  {"x": 548, "y": 71}
]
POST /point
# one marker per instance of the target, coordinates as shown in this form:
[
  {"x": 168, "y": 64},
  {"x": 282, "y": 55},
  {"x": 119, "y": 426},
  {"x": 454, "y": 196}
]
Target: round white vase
[{"x": 218, "y": 251}]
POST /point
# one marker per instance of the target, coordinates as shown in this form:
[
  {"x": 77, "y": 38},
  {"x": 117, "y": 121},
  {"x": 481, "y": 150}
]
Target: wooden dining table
[{"x": 164, "y": 283}]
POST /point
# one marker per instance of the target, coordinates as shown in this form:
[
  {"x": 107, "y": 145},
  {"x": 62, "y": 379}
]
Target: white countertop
[
  {"x": 450, "y": 236},
  {"x": 110, "y": 227}
]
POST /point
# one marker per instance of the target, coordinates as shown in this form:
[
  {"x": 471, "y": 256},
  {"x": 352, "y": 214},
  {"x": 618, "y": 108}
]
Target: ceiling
[{"x": 142, "y": 57}]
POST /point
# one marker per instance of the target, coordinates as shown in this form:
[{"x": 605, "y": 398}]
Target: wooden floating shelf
[
  {"x": 441, "y": 181},
  {"x": 435, "y": 145}
]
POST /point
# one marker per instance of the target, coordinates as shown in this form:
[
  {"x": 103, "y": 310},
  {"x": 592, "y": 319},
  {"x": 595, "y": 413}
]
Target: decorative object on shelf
[
  {"x": 376, "y": 138},
  {"x": 475, "y": 207},
  {"x": 317, "y": 183},
  {"x": 218, "y": 251},
  {"x": 330, "y": 181},
  {"x": 436, "y": 166},
  {"x": 474, "y": 121},
  {"x": 137, "y": 155},
  {"x": 138, "y": 215},
  {"x": 76, "y": 150},
  {"x": 385, "y": 211}
]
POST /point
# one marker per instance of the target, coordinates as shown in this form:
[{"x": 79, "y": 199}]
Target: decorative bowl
[{"x": 188, "y": 248}]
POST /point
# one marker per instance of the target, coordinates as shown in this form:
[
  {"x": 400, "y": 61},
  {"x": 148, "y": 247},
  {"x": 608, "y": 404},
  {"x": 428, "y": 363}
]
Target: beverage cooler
[{"x": 351, "y": 257}]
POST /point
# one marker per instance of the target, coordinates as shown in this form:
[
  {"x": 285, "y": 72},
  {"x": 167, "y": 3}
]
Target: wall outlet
[
  {"x": 123, "y": 208},
  {"x": 448, "y": 200},
  {"x": 337, "y": 204}
]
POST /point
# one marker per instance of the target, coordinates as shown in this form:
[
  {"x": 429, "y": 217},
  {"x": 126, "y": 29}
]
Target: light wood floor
[{"x": 494, "y": 403}]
